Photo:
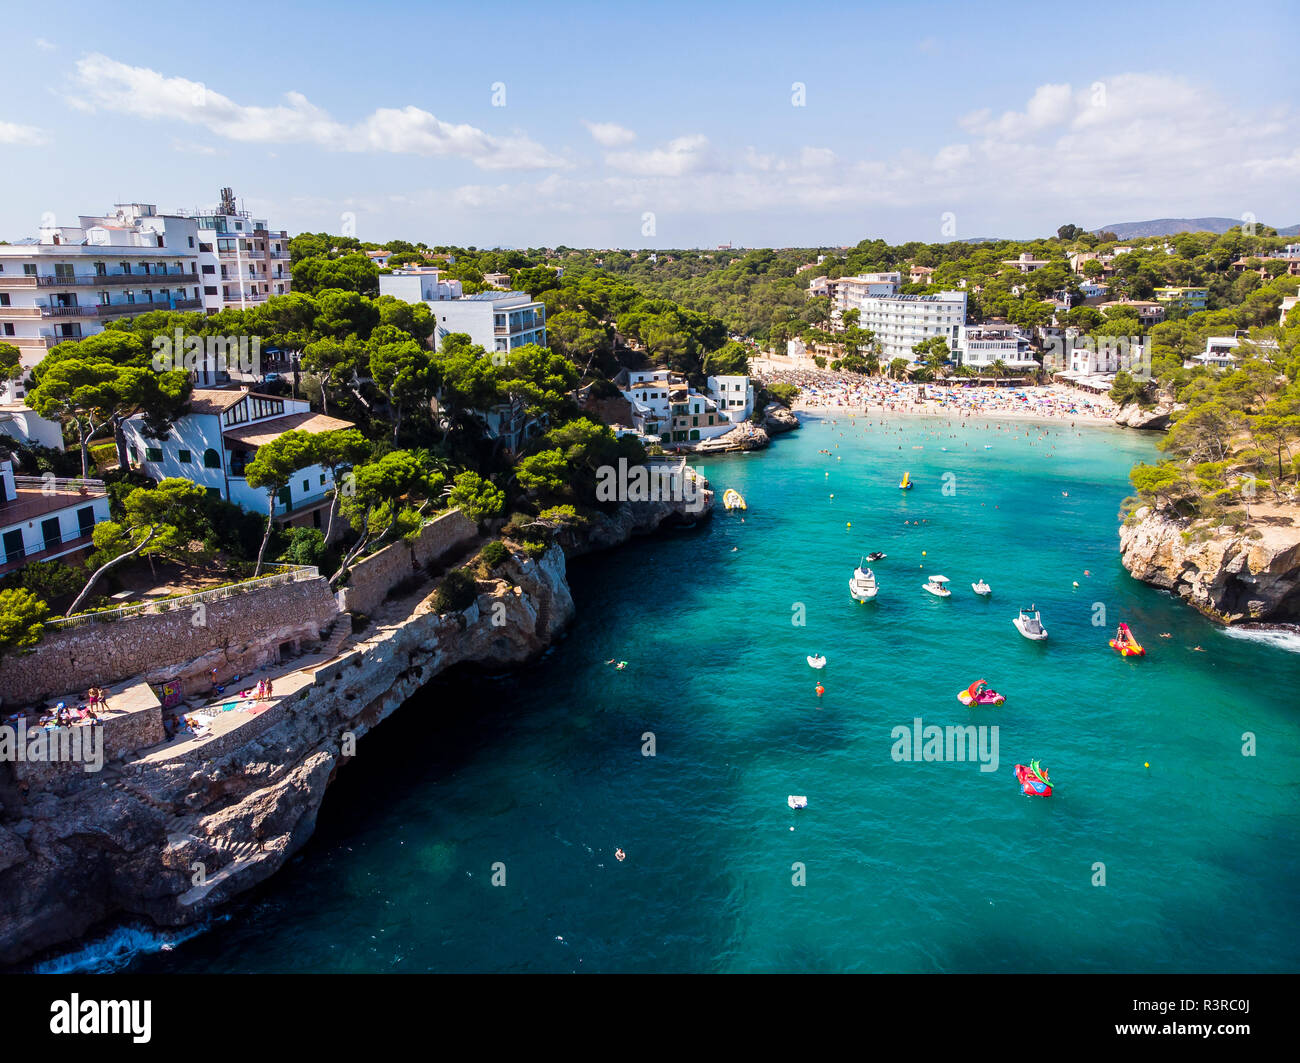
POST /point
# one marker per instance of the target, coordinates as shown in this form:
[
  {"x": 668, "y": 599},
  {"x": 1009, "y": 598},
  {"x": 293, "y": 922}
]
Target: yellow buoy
[
  {"x": 848, "y": 524},
  {"x": 922, "y": 553}
]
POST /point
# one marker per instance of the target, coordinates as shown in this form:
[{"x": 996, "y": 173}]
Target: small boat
[
  {"x": 863, "y": 584},
  {"x": 817, "y": 661},
  {"x": 981, "y": 588},
  {"x": 906, "y": 483},
  {"x": 732, "y": 499},
  {"x": 1030, "y": 624},
  {"x": 1128, "y": 646},
  {"x": 797, "y": 801},
  {"x": 936, "y": 585},
  {"x": 879, "y": 555}
]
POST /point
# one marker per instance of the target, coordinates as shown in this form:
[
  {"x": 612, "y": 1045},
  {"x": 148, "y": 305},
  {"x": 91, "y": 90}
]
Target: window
[
  {"x": 211, "y": 459},
  {"x": 153, "y": 454},
  {"x": 184, "y": 457},
  {"x": 29, "y": 270},
  {"x": 306, "y": 486},
  {"x": 4, "y": 298},
  {"x": 215, "y": 492},
  {"x": 322, "y": 479},
  {"x": 191, "y": 241}
]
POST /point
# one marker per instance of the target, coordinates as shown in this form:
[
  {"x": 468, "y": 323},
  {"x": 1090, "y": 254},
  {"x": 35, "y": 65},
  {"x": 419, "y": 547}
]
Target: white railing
[{"x": 288, "y": 574}]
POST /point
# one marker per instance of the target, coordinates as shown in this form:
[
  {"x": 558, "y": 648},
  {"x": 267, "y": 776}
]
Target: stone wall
[
  {"x": 121, "y": 737},
  {"x": 234, "y": 635},
  {"x": 371, "y": 580}
]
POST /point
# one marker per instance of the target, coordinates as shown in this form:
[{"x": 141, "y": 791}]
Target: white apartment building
[
  {"x": 496, "y": 321},
  {"x": 25, "y": 425},
  {"x": 41, "y": 519},
  {"x": 1288, "y": 304},
  {"x": 982, "y": 345},
  {"x": 850, "y": 291},
  {"x": 734, "y": 396},
  {"x": 1025, "y": 262},
  {"x": 419, "y": 286},
  {"x": 665, "y": 406},
  {"x": 902, "y": 321},
  {"x": 1221, "y": 351},
  {"x": 74, "y": 279},
  {"x": 243, "y": 260},
  {"x": 213, "y": 444}
]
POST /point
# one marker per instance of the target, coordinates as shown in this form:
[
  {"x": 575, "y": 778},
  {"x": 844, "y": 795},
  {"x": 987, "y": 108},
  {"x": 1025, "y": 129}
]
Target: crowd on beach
[{"x": 826, "y": 389}]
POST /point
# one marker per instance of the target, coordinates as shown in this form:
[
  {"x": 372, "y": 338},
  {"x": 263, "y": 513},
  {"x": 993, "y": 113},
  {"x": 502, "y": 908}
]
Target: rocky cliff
[
  {"x": 170, "y": 837},
  {"x": 1232, "y": 576},
  {"x": 1156, "y": 417},
  {"x": 776, "y": 418}
]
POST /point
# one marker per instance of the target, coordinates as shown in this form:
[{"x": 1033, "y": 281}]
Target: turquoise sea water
[{"x": 909, "y": 866}]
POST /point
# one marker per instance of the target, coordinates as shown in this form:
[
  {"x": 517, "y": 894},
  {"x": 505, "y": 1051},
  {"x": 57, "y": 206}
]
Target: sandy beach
[{"x": 823, "y": 391}]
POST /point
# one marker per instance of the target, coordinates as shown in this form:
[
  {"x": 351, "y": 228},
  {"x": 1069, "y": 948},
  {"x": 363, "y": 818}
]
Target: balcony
[
  {"x": 36, "y": 496},
  {"x": 106, "y": 310},
  {"x": 49, "y": 549},
  {"x": 105, "y": 280}
]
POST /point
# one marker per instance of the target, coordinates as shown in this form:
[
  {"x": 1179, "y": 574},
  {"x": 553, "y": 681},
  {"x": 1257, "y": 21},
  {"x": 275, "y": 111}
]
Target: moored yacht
[
  {"x": 863, "y": 584},
  {"x": 1030, "y": 624},
  {"x": 938, "y": 586}
]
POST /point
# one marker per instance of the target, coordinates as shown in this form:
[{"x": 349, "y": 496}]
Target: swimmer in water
[{"x": 619, "y": 855}]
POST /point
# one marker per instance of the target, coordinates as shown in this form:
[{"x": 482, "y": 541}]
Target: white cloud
[
  {"x": 678, "y": 157},
  {"x": 105, "y": 83},
  {"x": 1050, "y": 105},
  {"x": 44, "y": 45},
  {"x": 191, "y": 147},
  {"x": 609, "y": 134},
  {"x": 22, "y": 135},
  {"x": 1145, "y": 145}
]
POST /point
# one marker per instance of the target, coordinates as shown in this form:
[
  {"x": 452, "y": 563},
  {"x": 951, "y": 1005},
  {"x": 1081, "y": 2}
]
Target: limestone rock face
[
  {"x": 1134, "y": 416},
  {"x": 1230, "y": 576},
  {"x": 776, "y": 419},
  {"x": 169, "y": 838}
]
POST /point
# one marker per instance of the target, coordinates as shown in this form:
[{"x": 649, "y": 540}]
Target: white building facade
[
  {"x": 42, "y": 518},
  {"x": 75, "y": 279},
  {"x": 213, "y": 444},
  {"x": 902, "y": 321}
]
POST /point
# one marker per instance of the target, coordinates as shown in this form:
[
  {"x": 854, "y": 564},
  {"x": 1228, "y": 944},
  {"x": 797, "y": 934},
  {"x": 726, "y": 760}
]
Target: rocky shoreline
[
  {"x": 1232, "y": 576},
  {"x": 158, "y": 839}
]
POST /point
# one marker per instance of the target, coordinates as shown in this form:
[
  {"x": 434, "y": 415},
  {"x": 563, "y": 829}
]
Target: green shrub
[
  {"x": 51, "y": 579},
  {"x": 457, "y": 592},
  {"x": 494, "y": 553},
  {"x": 535, "y": 549},
  {"x": 783, "y": 392},
  {"x": 306, "y": 547}
]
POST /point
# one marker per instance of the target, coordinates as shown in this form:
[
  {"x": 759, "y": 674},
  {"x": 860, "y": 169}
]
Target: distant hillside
[{"x": 1128, "y": 230}]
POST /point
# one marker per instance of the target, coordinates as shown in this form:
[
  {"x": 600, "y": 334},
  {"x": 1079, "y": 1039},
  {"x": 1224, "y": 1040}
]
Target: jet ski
[{"x": 879, "y": 555}]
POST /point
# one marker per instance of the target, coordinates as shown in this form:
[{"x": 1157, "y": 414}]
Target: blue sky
[{"x": 672, "y": 124}]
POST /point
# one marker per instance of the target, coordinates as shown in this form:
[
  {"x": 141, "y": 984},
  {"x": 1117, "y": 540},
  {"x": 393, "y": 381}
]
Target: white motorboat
[
  {"x": 1030, "y": 624},
  {"x": 981, "y": 588},
  {"x": 817, "y": 661},
  {"x": 937, "y": 585},
  {"x": 863, "y": 584}
]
